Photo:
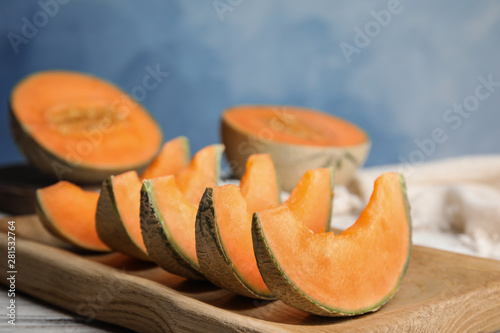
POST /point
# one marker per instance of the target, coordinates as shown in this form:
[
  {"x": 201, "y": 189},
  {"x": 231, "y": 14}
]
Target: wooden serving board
[{"x": 442, "y": 292}]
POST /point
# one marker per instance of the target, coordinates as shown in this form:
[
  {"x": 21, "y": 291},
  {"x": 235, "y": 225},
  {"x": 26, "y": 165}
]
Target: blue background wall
[{"x": 399, "y": 84}]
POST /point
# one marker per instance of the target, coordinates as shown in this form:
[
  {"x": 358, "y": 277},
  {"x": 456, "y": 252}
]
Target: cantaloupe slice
[
  {"x": 168, "y": 213},
  {"x": 224, "y": 227},
  {"x": 117, "y": 217},
  {"x": 68, "y": 212},
  {"x": 173, "y": 157},
  {"x": 78, "y": 127},
  {"x": 337, "y": 275},
  {"x": 298, "y": 139},
  {"x": 224, "y": 244}
]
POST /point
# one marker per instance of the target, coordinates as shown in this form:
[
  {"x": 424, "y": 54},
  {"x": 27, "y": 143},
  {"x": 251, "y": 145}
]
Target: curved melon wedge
[
  {"x": 118, "y": 208},
  {"x": 202, "y": 172},
  {"x": 68, "y": 212},
  {"x": 117, "y": 217},
  {"x": 167, "y": 222},
  {"x": 168, "y": 215},
  {"x": 337, "y": 275},
  {"x": 224, "y": 230},
  {"x": 173, "y": 157}
]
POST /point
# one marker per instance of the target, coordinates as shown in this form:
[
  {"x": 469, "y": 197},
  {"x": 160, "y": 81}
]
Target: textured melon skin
[
  {"x": 292, "y": 161},
  {"x": 277, "y": 281},
  {"x": 110, "y": 227},
  {"x": 160, "y": 245},
  {"x": 57, "y": 167},
  {"x": 46, "y": 220},
  {"x": 214, "y": 263}
]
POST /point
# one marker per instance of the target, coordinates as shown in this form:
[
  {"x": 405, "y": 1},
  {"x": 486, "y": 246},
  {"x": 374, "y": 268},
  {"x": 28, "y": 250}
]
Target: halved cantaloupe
[
  {"x": 337, "y": 275},
  {"x": 78, "y": 127},
  {"x": 223, "y": 244},
  {"x": 117, "y": 216},
  {"x": 168, "y": 213},
  {"x": 224, "y": 229},
  {"x": 68, "y": 212},
  {"x": 297, "y": 138},
  {"x": 118, "y": 208},
  {"x": 173, "y": 157}
]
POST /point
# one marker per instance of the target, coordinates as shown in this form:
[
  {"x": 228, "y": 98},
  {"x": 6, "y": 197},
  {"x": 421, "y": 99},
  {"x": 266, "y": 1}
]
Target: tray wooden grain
[{"x": 442, "y": 292}]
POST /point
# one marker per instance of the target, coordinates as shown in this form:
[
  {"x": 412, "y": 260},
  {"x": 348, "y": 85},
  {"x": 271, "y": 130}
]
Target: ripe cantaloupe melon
[
  {"x": 68, "y": 212},
  {"x": 351, "y": 273},
  {"x": 297, "y": 138},
  {"x": 173, "y": 157},
  {"x": 118, "y": 208},
  {"x": 117, "y": 216},
  {"x": 78, "y": 127},
  {"x": 224, "y": 244},
  {"x": 168, "y": 213},
  {"x": 224, "y": 227}
]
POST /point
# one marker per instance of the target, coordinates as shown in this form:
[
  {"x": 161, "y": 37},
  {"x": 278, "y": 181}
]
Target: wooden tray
[{"x": 442, "y": 292}]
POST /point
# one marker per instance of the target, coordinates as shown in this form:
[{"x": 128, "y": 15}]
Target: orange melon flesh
[
  {"x": 173, "y": 157},
  {"x": 294, "y": 125},
  {"x": 69, "y": 212},
  {"x": 312, "y": 198},
  {"x": 127, "y": 191},
  {"x": 235, "y": 226},
  {"x": 259, "y": 185},
  {"x": 178, "y": 215},
  {"x": 85, "y": 120},
  {"x": 315, "y": 208},
  {"x": 351, "y": 273},
  {"x": 202, "y": 172},
  {"x": 168, "y": 212}
]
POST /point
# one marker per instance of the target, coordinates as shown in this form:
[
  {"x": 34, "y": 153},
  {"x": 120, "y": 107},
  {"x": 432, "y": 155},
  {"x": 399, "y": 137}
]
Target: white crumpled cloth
[{"x": 455, "y": 203}]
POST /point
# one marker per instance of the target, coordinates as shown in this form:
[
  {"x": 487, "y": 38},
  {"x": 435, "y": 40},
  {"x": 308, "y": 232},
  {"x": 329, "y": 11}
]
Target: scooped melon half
[
  {"x": 68, "y": 212},
  {"x": 351, "y": 273},
  {"x": 297, "y": 138},
  {"x": 78, "y": 127},
  {"x": 168, "y": 213},
  {"x": 224, "y": 227},
  {"x": 118, "y": 208}
]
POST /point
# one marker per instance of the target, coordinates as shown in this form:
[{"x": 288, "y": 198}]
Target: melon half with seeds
[
  {"x": 224, "y": 225},
  {"x": 351, "y": 273},
  {"x": 78, "y": 127}
]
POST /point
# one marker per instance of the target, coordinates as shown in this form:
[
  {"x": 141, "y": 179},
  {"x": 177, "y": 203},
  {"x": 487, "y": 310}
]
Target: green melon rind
[
  {"x": 161, "y": 247},
  {"x": 49, "y": 224},
  {"x": 278, "y": 282},
  {"x": 57, "y": 167},
  {"x": 214, "y": 261},
  {"x": 110, "y": 227}
]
